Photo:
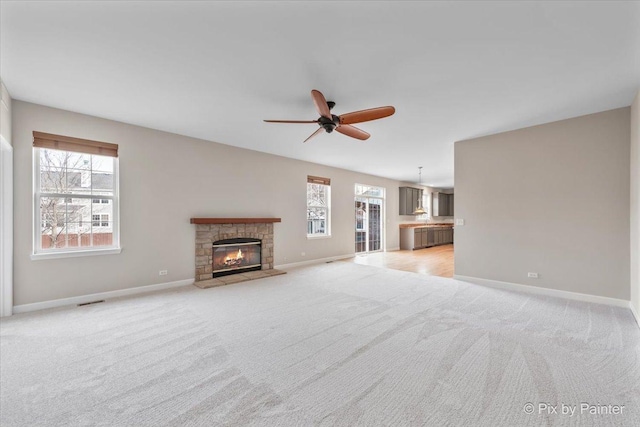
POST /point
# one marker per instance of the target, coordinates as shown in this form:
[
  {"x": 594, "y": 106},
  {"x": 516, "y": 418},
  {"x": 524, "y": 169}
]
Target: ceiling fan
[{"x": 330, "y": 122}]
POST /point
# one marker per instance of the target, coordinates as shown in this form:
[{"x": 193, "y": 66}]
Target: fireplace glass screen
[{"x": 233, "y": 256}]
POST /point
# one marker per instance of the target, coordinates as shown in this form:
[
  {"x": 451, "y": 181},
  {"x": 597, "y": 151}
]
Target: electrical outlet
[
  {"x": 459, "y": 221},
  {"x": 532, "y": 275},
  {"x": 303, "y": 254},
  {"x": 162, "y": 272}
]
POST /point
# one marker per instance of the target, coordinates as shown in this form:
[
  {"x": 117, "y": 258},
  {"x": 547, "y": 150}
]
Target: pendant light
[{"x": 420, "y": 210}]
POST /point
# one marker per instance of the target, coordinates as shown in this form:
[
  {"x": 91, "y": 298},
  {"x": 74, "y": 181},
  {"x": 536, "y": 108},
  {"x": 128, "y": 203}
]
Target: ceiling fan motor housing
[{"x": 329, "y": 124}]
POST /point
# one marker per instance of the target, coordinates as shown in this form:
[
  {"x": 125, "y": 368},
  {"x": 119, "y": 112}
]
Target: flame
[{"x": 237, "y": 257}]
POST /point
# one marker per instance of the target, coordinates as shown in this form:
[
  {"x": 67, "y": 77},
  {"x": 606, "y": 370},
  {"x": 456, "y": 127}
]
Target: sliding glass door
[{"x": 369, "y": 221}]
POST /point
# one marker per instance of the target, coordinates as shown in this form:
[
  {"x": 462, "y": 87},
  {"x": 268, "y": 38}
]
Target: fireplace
[
  {"x": 251, "y": 258},
  {"x": 239, "y": 255}
]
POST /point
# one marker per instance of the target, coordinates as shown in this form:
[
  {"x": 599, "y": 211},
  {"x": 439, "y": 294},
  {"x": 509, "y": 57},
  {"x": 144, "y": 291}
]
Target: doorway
[{"x": 369, "y": 218}]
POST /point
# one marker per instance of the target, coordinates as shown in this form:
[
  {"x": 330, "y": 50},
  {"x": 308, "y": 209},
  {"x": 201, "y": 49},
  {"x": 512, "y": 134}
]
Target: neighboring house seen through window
[
  {"x": 318, "y": 206},
  {"x": 76, "y": 197}
]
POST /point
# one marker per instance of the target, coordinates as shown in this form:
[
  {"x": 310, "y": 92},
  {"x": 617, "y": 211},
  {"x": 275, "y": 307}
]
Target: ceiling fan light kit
[{"x": 342, "y": 124}]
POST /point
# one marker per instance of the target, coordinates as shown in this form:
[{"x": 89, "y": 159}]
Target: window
[
  {"x": 425, "y": 205},
  {"x": 75, "y": 196},
  {"x": 360, "y": 218},
  {"x": 369, "y": 191},
  {"x": 318, "y": 206},
  {"x": 101, "y": 220}
]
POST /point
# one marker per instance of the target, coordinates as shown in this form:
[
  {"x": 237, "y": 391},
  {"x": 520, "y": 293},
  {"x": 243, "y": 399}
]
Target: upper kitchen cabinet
[
  {"x": 409, "y": 200},
  {"x": 442, "y": 204}
]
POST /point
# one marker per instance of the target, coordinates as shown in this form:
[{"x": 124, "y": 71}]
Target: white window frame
[
  {"x": 40, "y": 253},
  {"x": 327, "y": 228},
  {"x": 103, "y": 218}
]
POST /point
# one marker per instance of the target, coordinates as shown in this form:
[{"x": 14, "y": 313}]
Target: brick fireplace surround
[{"x": 209, "y": 230}]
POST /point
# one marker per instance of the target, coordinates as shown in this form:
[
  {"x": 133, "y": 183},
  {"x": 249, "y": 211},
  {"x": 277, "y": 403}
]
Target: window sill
[
  {"x": 74, "y": 254},
  {"x": 324, "y": 236}
]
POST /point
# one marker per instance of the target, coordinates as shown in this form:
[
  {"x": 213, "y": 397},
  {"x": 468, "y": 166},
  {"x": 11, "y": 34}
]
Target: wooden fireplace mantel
[{"x": 234, "y": 220}]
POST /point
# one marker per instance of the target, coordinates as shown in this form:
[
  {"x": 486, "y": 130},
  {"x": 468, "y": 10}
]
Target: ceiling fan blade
[
  {"x": 314, "y": 134},
  {"x": 353, "y": 132},
  {"x": 366, "y": 115},
  {"x": 291, "y": 121},
  {"x": 321, "y": 103}
]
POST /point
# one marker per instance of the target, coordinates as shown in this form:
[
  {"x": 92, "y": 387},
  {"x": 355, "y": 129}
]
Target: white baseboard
[
  {"x": 24, "y": 308},
  {"x": 635, "y": 314},
  {"x": 544, "y": 291},
  {"x": 314, "y": 261},
  {"x": 397, "y": 248}
]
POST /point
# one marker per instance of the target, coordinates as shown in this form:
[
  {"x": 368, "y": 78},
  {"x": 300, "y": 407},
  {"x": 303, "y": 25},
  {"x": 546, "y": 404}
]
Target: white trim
[
  {"x": 635, "y": 313},
  {"x": 24, "y": 308},
  {"x": 6, "y": 227},
  {"x": 73, "y": 254},
  {"x": 314, "y": 261},
  {"x": 397, "y": 248},
  {"x": 544, "y": 291}
]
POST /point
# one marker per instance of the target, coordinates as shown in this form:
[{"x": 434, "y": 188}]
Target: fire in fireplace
[{"x": 231, "y": 256}]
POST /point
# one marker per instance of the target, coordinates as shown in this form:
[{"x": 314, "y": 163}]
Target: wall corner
[{"x": 634, "y": 212}]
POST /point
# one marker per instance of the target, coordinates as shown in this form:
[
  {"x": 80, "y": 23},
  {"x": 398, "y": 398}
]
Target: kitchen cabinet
[
  {"x": 409, "y": 197},
  {"x": 438, "y": 239},
  {"x": 448, "y": 235},
  {"x": 431, "y": 233},
  {"x": 442, "y": 204},
  {"x": 424, "y": 237},
  {"x": 417, "y": 238}
]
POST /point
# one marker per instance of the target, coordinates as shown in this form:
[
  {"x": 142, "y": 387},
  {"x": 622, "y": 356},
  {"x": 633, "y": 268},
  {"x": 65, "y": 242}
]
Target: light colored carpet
[{"x": 332, "y": 344}]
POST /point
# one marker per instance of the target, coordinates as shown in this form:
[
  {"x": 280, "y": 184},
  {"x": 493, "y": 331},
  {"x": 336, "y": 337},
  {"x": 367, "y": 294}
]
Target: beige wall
[
  {"x": 635, "y": 204},
  {"x": 5, "y": 113},
  {"x": 551, "y": 199},
  {"x": 165, "y": 179}
]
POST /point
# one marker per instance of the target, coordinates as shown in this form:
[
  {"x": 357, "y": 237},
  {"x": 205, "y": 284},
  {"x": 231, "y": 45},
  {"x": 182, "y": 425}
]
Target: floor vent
[
  {"x": 92, "y": 302},
  {"x": 328, "y": 262}
]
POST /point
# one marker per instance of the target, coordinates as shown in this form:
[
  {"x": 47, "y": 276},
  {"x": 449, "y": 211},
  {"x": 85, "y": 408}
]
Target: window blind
[
  {"x": 318, "y": 180},
  {"x": 78, "y": 145}
]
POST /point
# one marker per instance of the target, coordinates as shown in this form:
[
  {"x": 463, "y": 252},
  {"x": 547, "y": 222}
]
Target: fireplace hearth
[{"x": 233, "y": 256}]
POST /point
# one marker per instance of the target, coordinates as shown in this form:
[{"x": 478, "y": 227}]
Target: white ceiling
[{"x": 214, "y": 70}]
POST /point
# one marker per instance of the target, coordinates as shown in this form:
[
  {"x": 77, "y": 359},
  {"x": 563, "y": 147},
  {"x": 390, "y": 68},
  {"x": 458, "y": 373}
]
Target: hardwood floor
[{"x": 435, "y": 261}]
